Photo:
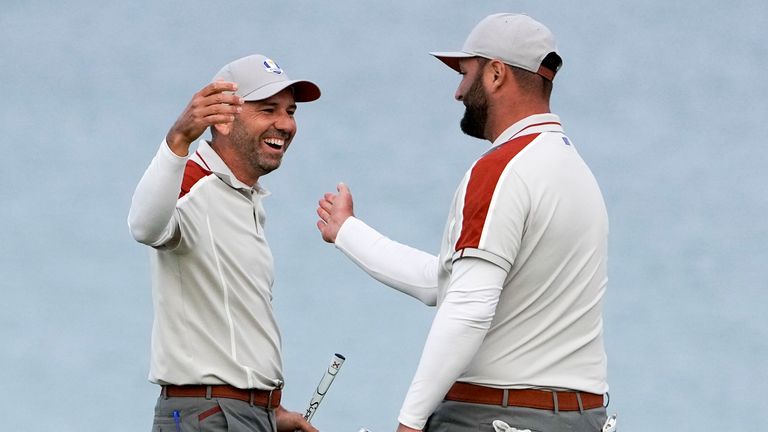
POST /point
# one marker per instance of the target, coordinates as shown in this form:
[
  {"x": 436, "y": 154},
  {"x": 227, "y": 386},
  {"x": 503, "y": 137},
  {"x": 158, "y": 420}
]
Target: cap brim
[
  {"x": 451, "y": 59},
  {"x": 303, "y": 91}
]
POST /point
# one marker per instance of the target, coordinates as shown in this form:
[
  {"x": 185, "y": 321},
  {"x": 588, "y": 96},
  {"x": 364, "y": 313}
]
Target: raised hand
[
  {"x": 211, "y": 106},
  {"x": 333, "y": 210}
]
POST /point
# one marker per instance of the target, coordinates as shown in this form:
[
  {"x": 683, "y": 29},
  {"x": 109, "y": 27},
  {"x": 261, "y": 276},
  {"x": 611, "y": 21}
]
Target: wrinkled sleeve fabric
[
  {"x": 151, "y": 219},
  {"x": 401, "y": 267},
  {"x": 459, "y": 327}
]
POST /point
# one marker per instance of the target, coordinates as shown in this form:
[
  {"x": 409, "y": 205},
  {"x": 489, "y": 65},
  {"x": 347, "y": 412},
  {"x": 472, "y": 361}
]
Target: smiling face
[{"x": 262, "y": 132}]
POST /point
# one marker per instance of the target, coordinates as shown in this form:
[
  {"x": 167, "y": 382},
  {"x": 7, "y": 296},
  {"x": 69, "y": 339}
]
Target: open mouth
[{"x": 275, "y": 143}]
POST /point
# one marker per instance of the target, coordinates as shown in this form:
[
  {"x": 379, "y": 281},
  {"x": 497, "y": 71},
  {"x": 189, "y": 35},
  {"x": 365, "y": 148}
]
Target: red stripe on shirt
[
  {"x": 532, "y": 126},
  {"x": 482, "y": 183},
  {"x": 192, "y": 174}
]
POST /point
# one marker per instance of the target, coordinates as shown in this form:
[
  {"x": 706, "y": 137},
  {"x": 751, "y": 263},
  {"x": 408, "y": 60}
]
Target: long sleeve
[
  {"x": 459, "y": 327},
  {"x": 401, "y": 267},
  {"x": 150, "y": 218}
]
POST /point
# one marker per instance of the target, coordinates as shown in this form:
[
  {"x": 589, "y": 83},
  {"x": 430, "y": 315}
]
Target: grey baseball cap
[
  {"x": 515, "y": 39},
  {"x": 259, "y": 77}
]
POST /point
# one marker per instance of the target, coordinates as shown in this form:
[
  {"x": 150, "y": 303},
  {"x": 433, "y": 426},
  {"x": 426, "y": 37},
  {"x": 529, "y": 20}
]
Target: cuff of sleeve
[
  {"x": 352, "y": 228},
  {"x": 484, "y": 255},
  {"x": 411, "y": 421},
  {"x": 171, "y": 157}
]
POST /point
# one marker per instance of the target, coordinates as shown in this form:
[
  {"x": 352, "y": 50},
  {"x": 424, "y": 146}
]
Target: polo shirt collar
[
  {"x": 207, "y": 157},
  {"x": 534, "y": 124}
]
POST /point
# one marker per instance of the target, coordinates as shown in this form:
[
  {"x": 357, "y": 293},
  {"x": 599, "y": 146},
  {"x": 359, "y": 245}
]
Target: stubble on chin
[{"x": 250, "y": 152}]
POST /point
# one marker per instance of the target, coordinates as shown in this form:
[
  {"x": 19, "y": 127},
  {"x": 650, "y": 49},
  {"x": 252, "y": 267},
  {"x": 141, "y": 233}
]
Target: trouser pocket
[{"x": 189, "y": 415}]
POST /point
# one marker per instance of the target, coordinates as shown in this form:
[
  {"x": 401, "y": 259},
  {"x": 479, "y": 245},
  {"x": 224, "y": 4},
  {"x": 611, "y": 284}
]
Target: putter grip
[{"x": 324, "y": 385}]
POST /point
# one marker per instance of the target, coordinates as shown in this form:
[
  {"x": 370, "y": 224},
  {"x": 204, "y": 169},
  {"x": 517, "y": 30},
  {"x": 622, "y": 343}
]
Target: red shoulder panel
[
  {"x": 192, "y": 174},
  {"x": 482, "y": 182}
]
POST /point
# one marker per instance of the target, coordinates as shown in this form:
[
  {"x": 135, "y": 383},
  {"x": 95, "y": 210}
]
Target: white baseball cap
[
  {"x": 259, "y": 77},
  {"x": 515, "y": 39}
]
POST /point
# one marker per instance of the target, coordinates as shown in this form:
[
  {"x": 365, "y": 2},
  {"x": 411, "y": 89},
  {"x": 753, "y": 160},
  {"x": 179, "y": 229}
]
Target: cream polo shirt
[
  {"x": 531, "y": 206},
  {"x": 520, "y": 276},
  {"x": 212, "y": 273}
]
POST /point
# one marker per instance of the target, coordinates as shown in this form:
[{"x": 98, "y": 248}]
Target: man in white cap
[
  {"x": 215, "y": 343},
  {"x": 517, "y": 340}
]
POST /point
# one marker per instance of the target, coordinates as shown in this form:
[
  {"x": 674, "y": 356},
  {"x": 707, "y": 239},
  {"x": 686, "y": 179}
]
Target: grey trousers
[
  {"x": 467, "y": 417},
  {"x": 185, "y": 414}
]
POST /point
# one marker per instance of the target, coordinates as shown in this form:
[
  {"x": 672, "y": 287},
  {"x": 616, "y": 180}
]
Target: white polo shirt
[
  {"x": 520, "y": 276},
  {"x": 212, "y": 273},
  {"x": 532, "y": 206}
]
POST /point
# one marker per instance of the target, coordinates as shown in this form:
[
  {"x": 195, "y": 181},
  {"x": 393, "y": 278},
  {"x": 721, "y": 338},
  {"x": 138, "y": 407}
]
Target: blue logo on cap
[{"x": 271, "y": 66}]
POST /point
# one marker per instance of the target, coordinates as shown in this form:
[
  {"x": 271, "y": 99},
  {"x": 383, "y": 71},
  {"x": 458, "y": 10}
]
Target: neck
[
  {"x": 235, "y": 162},
  {"x": 503, "y": 116}
]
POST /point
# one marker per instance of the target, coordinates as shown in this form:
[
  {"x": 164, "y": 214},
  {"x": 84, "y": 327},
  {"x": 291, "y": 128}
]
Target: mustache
[{"x": 276, "y": 133}]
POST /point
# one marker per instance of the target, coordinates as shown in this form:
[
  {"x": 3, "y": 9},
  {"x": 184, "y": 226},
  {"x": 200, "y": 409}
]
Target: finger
[
  {"x": 306, "y": 426},
  {"x": 217, "y": 113},
  {"x": 329, "y": 197},
  {"x": 218, "y": 119},
  {"x": 218, "y": 86},
  {"x": 326, "y": 207},
  {"x": 199, "y": 113},
  {"x": 219, "y": 104},
  {"x": 324, "y": 214},
  {"x": 221, "y": 98}
]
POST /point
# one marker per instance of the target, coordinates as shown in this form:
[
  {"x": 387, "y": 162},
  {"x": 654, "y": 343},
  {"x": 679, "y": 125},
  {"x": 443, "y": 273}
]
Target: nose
[
  {"x": 286, "y": 123},
  {"x": 459, "y": 94}
]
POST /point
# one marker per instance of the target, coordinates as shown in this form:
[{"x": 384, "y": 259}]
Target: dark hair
[{"x": 532, "y": 82}]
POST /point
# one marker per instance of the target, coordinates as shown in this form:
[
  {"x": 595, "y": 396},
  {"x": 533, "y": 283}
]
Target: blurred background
[{"x": 666, "y": 101}]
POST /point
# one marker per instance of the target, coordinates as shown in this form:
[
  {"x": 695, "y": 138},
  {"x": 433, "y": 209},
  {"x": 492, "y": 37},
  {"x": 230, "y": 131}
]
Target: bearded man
[{"x": 517, "y": 340}]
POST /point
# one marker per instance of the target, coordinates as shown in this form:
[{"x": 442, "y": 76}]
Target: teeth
[{"x": 275, "y": 142}]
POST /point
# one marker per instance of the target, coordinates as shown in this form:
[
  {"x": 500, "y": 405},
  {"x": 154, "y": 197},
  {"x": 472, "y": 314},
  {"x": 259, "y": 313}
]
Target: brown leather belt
[
  {"x": 528, "y": 398},
  {"x": 263, "y": 398}
]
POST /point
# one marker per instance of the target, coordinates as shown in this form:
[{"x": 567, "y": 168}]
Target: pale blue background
[{"x": 665, "y": 100}]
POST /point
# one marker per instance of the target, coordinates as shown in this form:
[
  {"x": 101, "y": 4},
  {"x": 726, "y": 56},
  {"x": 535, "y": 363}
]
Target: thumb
[{"x": 343, "y": 189}]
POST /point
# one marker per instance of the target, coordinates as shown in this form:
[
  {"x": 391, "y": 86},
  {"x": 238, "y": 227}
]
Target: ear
[
  {"x": 497, "y": 73},
  {"x": 223, "y": 128}
]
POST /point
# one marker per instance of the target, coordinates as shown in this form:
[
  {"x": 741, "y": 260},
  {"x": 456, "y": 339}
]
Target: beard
[
  {"x": 476, "y": 110},
  {"x": 249, "y": 148}
]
